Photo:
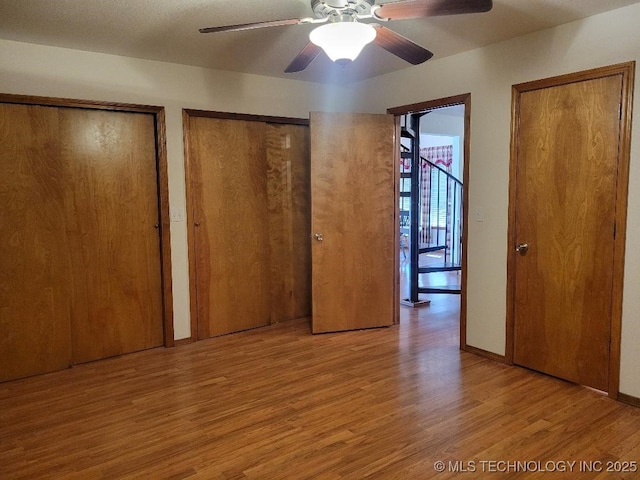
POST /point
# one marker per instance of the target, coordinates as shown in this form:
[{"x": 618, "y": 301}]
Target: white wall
[
  {"x": 55, "y": 72},
  {"x": 451, "y": 125},
  {"x": 488, "y": 74}
]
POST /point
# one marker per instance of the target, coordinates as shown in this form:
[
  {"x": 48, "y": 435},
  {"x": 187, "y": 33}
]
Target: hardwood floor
[
  {"x": 280, "y": 403},
  {"x": 433, "y": 279}
]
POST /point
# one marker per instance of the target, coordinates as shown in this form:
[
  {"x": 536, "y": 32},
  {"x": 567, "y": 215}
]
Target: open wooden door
[{"x": 353, "y": 221}]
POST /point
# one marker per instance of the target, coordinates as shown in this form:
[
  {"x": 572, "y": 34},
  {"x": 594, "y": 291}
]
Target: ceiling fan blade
[
  {"x": 431, "y": 8},
  {"x": 251, "y": 26},
  {"x": 304, "y": 58},
  {"x": 400, "y": 46}
]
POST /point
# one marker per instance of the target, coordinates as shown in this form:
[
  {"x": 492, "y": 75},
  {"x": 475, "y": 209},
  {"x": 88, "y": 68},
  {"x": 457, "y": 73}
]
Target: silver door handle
[
  {"x": 522, "y": 248},
  {"x": 319, "y": 237}
]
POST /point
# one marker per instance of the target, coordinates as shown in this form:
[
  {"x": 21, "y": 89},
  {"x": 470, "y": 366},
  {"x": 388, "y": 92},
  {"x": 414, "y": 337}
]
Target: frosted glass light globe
[{"x": 343, "y": 40}]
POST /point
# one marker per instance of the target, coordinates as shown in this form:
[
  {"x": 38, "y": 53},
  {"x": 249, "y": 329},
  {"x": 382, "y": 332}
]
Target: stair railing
[{"x": 442, "y": 221}]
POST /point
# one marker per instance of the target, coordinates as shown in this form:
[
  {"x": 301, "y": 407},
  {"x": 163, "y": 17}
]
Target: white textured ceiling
[{"x": 167, "y": 30}]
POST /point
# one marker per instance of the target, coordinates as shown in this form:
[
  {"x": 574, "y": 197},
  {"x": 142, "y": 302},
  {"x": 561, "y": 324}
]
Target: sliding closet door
[
  {"x": 80, "y": 275},
  {"x": 288, "y": 186},
  {"x": 35, "y": 257},
  {"x": 110, "y": 159},
  {"x": 227, "y": 169}
]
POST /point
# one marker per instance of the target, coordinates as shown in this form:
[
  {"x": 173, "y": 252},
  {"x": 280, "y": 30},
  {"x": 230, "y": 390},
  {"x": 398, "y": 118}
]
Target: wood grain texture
[
  {"x": 401, "y": 46},
  {"x": 627, "y": 71},
  {"x": 353, "y": 207},
  {"x": 227, "y": 164},
  {"x": 289, "y": 210},
  {"x": 629, "y": 399},
  {"x": 165, "y": 226},
  {"x": 160, "y": 133},
  {"x": 70, "y": 180},
  {"x": 35, "y": 257},
  {"x": 79, "y": 103},
  {"x": 279, "y": 403},
  {"x": 192, "y": 184},
  {"x": 109, "y": 158},
  {"x": 567, "y": 163},
  {"x": 190, "y": 112}
]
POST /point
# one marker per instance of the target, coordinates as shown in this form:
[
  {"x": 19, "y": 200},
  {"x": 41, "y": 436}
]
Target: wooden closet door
[
  {"x": 289, "y": 197},
  {"x": 35, "y": 256},
  {"x": 227, "y": 165},
  {"x": 110, "y": 159}
]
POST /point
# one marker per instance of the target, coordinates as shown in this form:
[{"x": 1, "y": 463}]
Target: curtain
[{"x": 434, "y": 194}]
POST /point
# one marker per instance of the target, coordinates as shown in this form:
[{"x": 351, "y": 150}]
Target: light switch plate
[{"x": 177, "y": 215}]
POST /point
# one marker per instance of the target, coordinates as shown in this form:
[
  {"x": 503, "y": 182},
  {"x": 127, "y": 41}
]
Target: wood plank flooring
[{"x": 280, "y": 403}]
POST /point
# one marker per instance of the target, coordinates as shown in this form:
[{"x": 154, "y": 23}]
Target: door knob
[
  {"x": 522, "y": 248},
  {"x": 319, "y": 237}
]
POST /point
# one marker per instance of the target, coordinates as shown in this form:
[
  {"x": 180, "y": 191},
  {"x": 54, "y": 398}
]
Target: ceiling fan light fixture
[{"x": 343, "y": 41}]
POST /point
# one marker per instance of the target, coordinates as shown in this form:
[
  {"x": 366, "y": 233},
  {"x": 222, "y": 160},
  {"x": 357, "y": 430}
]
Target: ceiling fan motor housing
[{"x": 338, "y": 8}]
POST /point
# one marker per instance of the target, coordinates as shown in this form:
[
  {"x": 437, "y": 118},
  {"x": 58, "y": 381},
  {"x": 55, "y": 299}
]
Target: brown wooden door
[
  {"x": 35, "y": 257},
  {"x": 353, "y": 209},
  {"x": 229, "y": 187},
  {"x": 79, "y": 251},
  {"x": 110, "y": 161},
  {"x": 289, "y": 220},
  {"x": 565, "y": 211}
]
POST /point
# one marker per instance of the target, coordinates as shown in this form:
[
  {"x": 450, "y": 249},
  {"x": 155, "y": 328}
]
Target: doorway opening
[{"x": 432, "y": 201}]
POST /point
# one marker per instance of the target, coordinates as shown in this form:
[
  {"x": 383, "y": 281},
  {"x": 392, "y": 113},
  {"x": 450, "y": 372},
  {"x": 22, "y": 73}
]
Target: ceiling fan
[{"x": 343, "y": 37}]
